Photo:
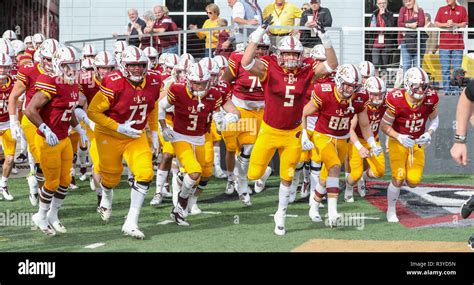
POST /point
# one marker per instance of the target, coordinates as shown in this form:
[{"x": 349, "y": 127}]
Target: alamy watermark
[
  {"x": 356, "y": 220},
  {"x": 14, "y": 219}
]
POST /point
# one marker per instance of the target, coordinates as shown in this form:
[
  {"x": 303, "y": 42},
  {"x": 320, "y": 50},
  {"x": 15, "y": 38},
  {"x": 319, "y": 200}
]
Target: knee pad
[{"x": 299, "y": 166}]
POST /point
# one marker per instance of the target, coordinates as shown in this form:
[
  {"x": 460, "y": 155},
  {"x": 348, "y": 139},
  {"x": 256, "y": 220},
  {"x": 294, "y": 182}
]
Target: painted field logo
[
  {"x": 37, "y": 268},
  {"x": 428, "y": 205}
]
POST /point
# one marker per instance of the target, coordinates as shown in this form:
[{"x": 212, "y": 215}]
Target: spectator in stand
[
  {"x": 163, "y": 23},
  {"x": 135, "y": 22},
  {"x": 309, "y": 18},
  {"x": 381, "y": 42},
  {"x": 145, "y": 39},
  {"x": 213, "y": 13},
  {"x": 284, "y": 14},
  {"x": 451, "y": 43},
  {"x": 222, "y": 38},
  {"x": 432, "y": 41},
  {"x": 305, "y": 7},
  {"x": 244, "y": 12},
  {"x": 410, "y": 16}
]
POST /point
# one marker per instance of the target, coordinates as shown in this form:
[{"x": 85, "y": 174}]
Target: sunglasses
[{"x": 210, "y": 13}]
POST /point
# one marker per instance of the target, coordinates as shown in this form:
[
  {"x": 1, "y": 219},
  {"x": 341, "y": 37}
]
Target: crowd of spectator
[{"x": 381, "y": 45}]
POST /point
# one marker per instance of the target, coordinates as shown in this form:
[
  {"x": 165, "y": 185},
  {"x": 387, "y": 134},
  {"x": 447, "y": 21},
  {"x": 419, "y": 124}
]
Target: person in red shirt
[
  {"x": 410, "y": 16},
  {"x": 163, "y": 23},
  {"x": 51, "y": 109},
  {"x": 451, "y": 43}
]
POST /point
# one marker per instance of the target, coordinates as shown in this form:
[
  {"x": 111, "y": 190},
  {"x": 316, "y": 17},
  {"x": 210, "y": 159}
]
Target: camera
[{"x": 458, "y": 78}]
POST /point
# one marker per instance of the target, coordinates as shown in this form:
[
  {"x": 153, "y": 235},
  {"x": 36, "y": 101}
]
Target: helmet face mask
[
  {"x": 66, "y": 64},
  {"x": 348, "y": 80},
  {"x": 376, "y": 89},
  {"x": 104, "y": 63},
  {"x": 290, "y": 53},
  {"x": 38, "y": 40},
  {"x": 5, "y": 66},
  {"x": 416, "y": 83},
  {"x": 134, "y": 64},
  {"x": 198, "y": 80},
  {"x": 46, "y": 63},
  {"x": 136, "y": 71}
]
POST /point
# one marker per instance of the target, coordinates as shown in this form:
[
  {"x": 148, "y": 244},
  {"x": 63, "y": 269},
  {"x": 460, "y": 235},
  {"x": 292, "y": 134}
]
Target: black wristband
[{"x": 460, "y": 139}]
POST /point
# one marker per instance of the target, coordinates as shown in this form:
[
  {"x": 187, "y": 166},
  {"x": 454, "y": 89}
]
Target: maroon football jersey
[
  {"x": 247, "y": 86},
  {"x": 375, "y": 115},
  {"x": 5, "y": 91},
  {"x": 411, "y": 120},
  {"x": 335, "y": 114},
  {"x": 285, "y": 93},
  {"x": 56, "y": 114},
  {"x": 129, "y": 102},
  {"x": 90, "y": 85},
  {"x": 188, "y": 118},
  {"x": 28, "y": 74}
]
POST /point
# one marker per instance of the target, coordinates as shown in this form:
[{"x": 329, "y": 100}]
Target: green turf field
[{"x": 236, "y": 229}]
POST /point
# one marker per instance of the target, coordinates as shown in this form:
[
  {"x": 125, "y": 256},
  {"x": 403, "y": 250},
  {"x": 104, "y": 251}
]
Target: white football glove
[
  {"x": 306, "y": 143},
  {"x": 218, "y": 118},
  {"x": 168, "y": 134},
  {"x": 51, "y": 138},
  {"x": 375, "y": 149},
  {"x": 424, "y": 139},
  {"x": 154, "y": 141},
  {"x": 230, "y": 118},
  {"x": 127, "y": 130},
  {"x": 257, "y": 35},
  {"x": 15, "y": 128},
  {"x": 406, "y": 141},
  {"x": 83, "y": 135}
]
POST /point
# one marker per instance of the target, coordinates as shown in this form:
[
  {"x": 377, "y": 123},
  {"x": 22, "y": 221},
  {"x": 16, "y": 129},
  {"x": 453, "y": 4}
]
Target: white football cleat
[
  {"x": 314, "y": 213},
  {"x": 165, "y": 191},
  {"x": 73, "y": 186},
  {"x": 333, "y": 220},
  {"x": 230, "y": 188},
  {"x": 105, "y": 213},
  {"x": 6, "y": 194},
  {"x": 178, "y": 214},
  {"x": 43, "y": 225},
  {"x": 279, "y": 219},
  {"x": 348, "y": 198},
  {"x": 92, "y": 184},
  {"x": 245, "y": 198},
  {"x": 33, "y": 199},
  {"x": 260, "y": 183},
  {"x": 56, "y": 224},
  {"x": 83, "y": 172},
  {"x": 157, "y": 199},
  {"x": 195, "y": 210},
  {"x": 361, "y": 188},
  {"x": 219, "y": 173},
  {"x": 14, "y": 170},
  {"x": 133, "y": 231},
  {"x": 392, "y": 215}
]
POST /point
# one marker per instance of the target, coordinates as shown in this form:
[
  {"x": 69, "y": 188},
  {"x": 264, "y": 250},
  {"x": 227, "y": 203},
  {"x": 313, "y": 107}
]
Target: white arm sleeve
[
  {"x": 434, "y": 124},
  {"x": 162, "y": 106},
  {"x": 238, "y": 10}
]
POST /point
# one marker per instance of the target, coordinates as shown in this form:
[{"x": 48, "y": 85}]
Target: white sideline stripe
[
  {"x": 165, "y": 222},
  {"x": 289, "y": 216},
  {"x": 95, "y": 245},
  {"x": 211, "y": 213}
]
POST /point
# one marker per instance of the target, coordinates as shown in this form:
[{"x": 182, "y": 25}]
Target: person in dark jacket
[
  {"x": 381, "y": 43},
  {"x": 309, "y": 18}
]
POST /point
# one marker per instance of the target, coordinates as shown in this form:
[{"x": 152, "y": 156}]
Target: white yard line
[
  {"x": 289, "y": 216},
  {"x": 211, "y": 213},
  {"x": 165, "y": 222},
  {"x": 94, "y": 245}
]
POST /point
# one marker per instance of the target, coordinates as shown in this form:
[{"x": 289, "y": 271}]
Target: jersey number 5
[{"x": 290, "y": 96}]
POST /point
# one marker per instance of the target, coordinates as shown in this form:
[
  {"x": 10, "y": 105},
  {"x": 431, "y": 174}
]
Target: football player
[
  {"x": 405, "y": 121},
  {"x": 152, "y": 55},
  {"x": 178, "y": 75},
  {"x": 8, "y": 143},
  {"x": 26, "y": 79},
  {"x": 194, "y": 104},
  {"x": 51, "y": 109},
  {"x": 337, "y": 104},
  {"x": 249, "y": 99},
  {"x": 122, "y": 108},
  {"x": 358, "y": 150},
  {"x": 285, "y": 77},
  {"x": 103, "y": 64},
  {"x": 28, "y": 41},
  {"x": 119, "y": 48},
  {"x": 9, "y": 35}
]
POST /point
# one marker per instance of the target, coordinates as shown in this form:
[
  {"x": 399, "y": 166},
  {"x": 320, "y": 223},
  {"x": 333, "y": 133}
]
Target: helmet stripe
[
  {"x": 106, "y": 59},
  {"x": 422, "y": 74},
  {"x": 71, "y": 53},
  {"x": 368, "y": 68},
  {"x": 200, "y": 72},
  {"x": 378, "y": 83},
  {"x": 355, "y": 73}
]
